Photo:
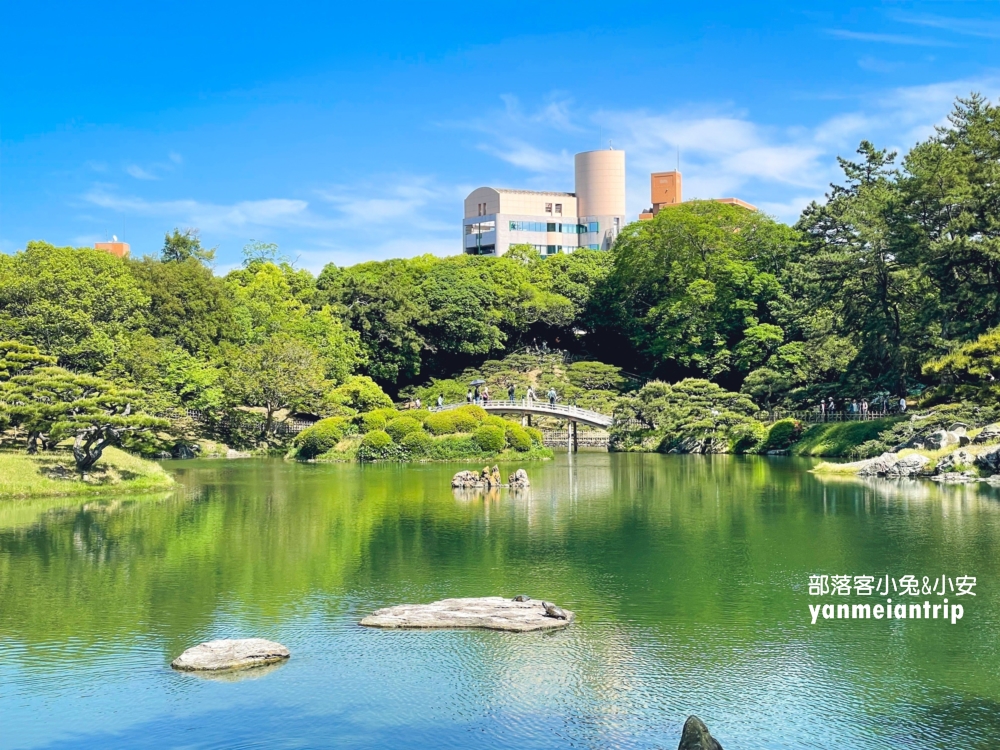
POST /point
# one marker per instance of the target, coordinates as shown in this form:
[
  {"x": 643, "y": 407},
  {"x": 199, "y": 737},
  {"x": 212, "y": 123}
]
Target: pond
[{"x": 689, "y": 576}]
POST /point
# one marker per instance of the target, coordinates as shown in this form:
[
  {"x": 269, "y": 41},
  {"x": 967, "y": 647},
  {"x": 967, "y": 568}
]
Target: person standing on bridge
[
  {"x": 417, "y": 402},
  {"x": 468, "y": 397},
  {"x": 486, "y": 394},
  {"x": 530, "y": 395},
  {"x": 552, "y": 396},
  {"x": 510, "y": 392},
  {"x": 440, "y": 400}
]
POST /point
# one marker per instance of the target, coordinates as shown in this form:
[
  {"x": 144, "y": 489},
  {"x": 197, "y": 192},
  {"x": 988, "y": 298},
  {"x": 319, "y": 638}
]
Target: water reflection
[{"x": 688, "y": 576}]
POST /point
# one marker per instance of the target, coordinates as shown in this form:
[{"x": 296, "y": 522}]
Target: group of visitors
[
  {"x": 860, "y": 409},
  {"x": 477, "y": 395}
]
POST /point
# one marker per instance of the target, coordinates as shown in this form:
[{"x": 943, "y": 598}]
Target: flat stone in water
[
  {"x": 489, "y": 612},
  {"x": 241, "y": 653}
]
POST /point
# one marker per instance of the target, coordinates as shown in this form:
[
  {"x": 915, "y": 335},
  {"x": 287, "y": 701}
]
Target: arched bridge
[
  {"x": 526, "y": 408},
  {"x": 542, "y": 408}
]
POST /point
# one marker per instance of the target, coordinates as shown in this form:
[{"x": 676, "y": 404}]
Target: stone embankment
[
  {"x": 488, "y": 612},
  {"x": 972, "y": 460},
  {"x": 242, "y": 653}
]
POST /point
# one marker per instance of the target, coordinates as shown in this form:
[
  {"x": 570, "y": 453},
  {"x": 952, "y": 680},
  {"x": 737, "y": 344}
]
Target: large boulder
[
  {"x": 989, "y": 434},
  {"x": 519, "y": 479},
  {"x": 955, "y": 461},
  {"x": 241, "y": 653},
  {"x": 877, "y": 466},
  {"x": 941, "y": 439},
  {"x": 466, "y": 479},
  {"x": 909, "y": 466},
  {"x": 695, "y": 736},
  {"x": 488, "y": 612},
  {"x": 989, "y": 460}
]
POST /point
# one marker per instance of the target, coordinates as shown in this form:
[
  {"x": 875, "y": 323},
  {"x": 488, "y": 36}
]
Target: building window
[
  {"x": 548, "y": 208},
  {"x": 593, "y": 227},
  {"x": 559, "y": 209}
]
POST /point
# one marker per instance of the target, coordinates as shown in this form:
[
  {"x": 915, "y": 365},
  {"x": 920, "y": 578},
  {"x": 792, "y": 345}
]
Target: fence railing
[
  {"x": 814, "y": 415},
  {"x": 535, "y": 406}
]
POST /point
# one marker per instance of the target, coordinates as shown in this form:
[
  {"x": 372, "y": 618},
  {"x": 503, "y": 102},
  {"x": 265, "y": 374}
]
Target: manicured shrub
[
  {"x": 517, "y": 437},
  {"x": 536, "y": 435},
  {"x": 378, "y": 446},
  {"x": 358, "y": 393},
  {"x": 783, "y": 433},
  {"x": 491, "y": 439},
  {"x": 475, "y": 411},
  {"x": 373, "y": 420},
  {"x": 400, "y": 427},
  {"x": 452, "y": 447},
  {"x": 496, "y": 421},
  {"x": 417, "y": 443},
  {"x": 465, "y": 422},
  {"x": 748, "y": 436},
  {"x": 320, "y": 438},
  {"x": 440, "y": 423}
]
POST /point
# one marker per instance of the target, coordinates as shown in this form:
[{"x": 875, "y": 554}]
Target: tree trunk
[{"x": 89, "y": 446}]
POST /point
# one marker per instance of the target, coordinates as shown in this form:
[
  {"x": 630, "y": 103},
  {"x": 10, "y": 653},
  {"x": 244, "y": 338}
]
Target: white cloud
[
  {"x": 210, "y": 217},
  {"x": 139, "y": 173},
  {"x": 979, "y": 27},
  {"x": 864, "y": 36}
]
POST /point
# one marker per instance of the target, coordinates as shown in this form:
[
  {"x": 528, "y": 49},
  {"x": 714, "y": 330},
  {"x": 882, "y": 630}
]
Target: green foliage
[
  {"x": 692, "y": 415},
  {"x": 595, "y": 376},
  {"x": 465, "y": 421},
  {"x": 452, "y": 447},
  {"x": 71, "y": 303},
  {"x": 373, "y": 421},
  {"x": 493, "y": 419},
  {"x": 689, "y": 287},
  {"x": 400, "y": 427},
  {"x": 51, "y": 404},
  {"x": 179, "y": 247},
  {"x": 188, "y": 305},
  {"x": 535, "y": 434},
  {"x": 747, "y": 436},
  {"x": 473, "y": 411},
  {"x": 919, "y": 425},
  {"x": 969, "y": 369},
  {"x": 783, "y": 433},
  {"x": 417, "y": 443},
  {"x": 358, "y": 393},
  {"x": 490, "y": 439},
  {"x": 280, "y": 373},
  {"x": 440, "y": 423},
  {"x": 378, "y": 446},
  {"x": 839, "y": 439},
  {"x": 18, "y": 359},
  {"x": 517, "y": 437},
  {"x": 321, "y": 437}
]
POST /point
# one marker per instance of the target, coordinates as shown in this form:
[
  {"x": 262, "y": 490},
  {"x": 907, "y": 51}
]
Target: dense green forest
[{"x": 889, "y": 285}]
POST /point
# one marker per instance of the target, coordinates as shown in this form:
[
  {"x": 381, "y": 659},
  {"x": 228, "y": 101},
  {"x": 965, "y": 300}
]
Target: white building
[{"x": 591, "y": 217}]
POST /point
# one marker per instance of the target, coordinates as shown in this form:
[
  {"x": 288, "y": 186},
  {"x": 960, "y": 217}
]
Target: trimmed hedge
[
  {"x": 378, "y": 446},
  {"x": 417, "y": 443},
  {"x": 496, "y": 421},
  {"x": 465, "y": 422},
  {"x": 517, "y": 437},
  {"x": 320, "y": 438},
  {"x": 475, "y": 411},
  {"x": 372, "y": 421},
  {"x": 783, "y": 433},
  {"x": 535, "y": 434},
  {"x": 400, "y": 427},
  {"x": 490, "y": 439},
  {"x": 454, "y": 446},
  {"x": 440, "y": 423}
]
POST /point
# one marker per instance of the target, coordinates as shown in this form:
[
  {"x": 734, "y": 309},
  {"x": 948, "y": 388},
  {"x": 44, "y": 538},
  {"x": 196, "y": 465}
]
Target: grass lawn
[
  {"x": 838, "y": 439},
  {"x": 40, "y": 475}
]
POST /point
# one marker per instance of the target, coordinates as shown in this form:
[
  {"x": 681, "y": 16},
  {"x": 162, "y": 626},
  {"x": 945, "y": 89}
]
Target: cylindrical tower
[{"x": 600, "y": 183}]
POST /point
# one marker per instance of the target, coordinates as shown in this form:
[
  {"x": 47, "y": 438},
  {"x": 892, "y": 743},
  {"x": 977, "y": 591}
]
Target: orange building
[
  {"x": 665, "y": 189},
  {"x": 121, "y": 249}
]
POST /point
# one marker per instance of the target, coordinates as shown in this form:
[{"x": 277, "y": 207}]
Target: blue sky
[{"x": 347, "y": 132}]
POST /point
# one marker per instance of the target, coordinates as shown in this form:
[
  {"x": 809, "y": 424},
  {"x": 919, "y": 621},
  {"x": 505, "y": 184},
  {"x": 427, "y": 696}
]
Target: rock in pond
[
  {"x": 695, "y": 736},
  {"x": 489, "y": 612},
  {"x": 989, "y": 434},
  {"x": 226, "y": 653}
]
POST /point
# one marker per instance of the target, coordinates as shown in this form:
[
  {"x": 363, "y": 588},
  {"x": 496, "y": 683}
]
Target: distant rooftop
[{"x": 533, "y": 192}]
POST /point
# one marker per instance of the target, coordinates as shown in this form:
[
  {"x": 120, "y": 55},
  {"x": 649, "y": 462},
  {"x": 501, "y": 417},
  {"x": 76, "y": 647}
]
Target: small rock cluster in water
[{"x": 489, "y": 478}]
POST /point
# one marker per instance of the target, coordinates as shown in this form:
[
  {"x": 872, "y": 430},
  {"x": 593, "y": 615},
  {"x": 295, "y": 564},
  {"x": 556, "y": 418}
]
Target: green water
[{"x": 688, "y": 575}]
